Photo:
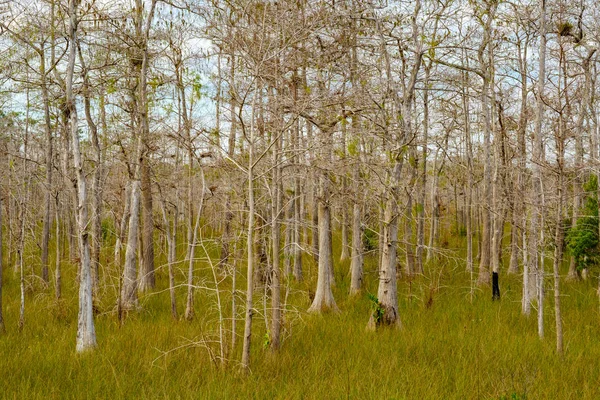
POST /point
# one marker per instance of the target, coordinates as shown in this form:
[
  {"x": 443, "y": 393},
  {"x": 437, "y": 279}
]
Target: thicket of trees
[{"x": 246, "y": 132}]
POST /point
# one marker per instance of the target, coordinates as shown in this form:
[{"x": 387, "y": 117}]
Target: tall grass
[{"x": 456, "y": 343}]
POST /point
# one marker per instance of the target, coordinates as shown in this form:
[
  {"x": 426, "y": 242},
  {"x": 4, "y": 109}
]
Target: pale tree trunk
[
  {"x": 387, "y": 293},
  {"x": 499, "y": 200},
  {"x": 345, "y": 253},
  {"x": 312, "y": 187},
  {"x": 314, "y": 212},
  {"x": 323, "y": 295},
  {"x": 408, "y": 227},
  {"x": 323, "y": 299},
  {"x": 86, "y": 333},
  {"x": 423, "y": 178},
  {"x": 541, "y": 269},
  {"x": 357, "y": 257},
  {"x": 297, "y": 249},
  {"x": 57, "y": 270},
  {"x": 538, "y": 217},
  {"x": 536, "y": 226},
  {"x": 48, "y": 182},
  {"x": 123, "y": 224},
  {"x": 171, "y": 235},
  {"x": 356, "y": 266},
  {"x": 276, "y": 244},
  {"x": 469, "y": 187},
  {"x": 147, "y": 279},
  {"x": 435, "y": 211},
  {"x": 288, "y": 239},
  {"x": 225, "y": 245},
  {"x": 558, "y": 233},
  {"x": 292, "y": 249},
  {"x": 189, "y": 306},
  {"x": 20, "y": 252},
  {"x": 560, "y": 136},
  {"x": 357, "y": 261},
  {"x": 486, "y": 70},
  {"x": 250, "y": 246},
  {"x": 435, "y": 201},
  {"x": 96, "y": 184},
  {"x": 141, "y": 177},
  {"x": 2, "y": 328},
  {"x": 559, "y": 241},
  {"x": 128, "y": 297},
  {"x": 23, "y": 199},
  {"x": 519, "y": 203},
  {"x": 485, "y": 250}
]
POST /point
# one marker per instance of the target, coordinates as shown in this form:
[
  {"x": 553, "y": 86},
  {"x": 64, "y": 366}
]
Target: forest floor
[{"x": 455, "y": 343}]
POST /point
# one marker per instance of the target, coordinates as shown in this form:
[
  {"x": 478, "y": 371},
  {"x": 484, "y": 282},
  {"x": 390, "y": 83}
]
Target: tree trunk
[
  {"x": 2, "y": 328},
  {"x": 276, "y": 244},
  {"x": 189, "y": 307},
  {"x": 356, "y": 266},
  {"x": 171, "y": 235},
  {"x": 486, "y": 69},
  {"x": 147, "y": 280},
  {"x": 250, "y": 247},
  {"x": 128, "y": 298},
  {"x": 123, "y": 225},
  {"x": 57, "y": 271},
  {"x": 86, "y": 333},
  {"x": 48, "y": 182},
  {"x": 96, "y": 183},
  {"x": 536, "y": 225},
  {"x": 323, "y": 295},
  {"x": 423, "y": 178},
  {"x": 387, "y": 293}
]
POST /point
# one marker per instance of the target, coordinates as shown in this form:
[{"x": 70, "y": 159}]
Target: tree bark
[
  {"x": 128, "y": 298},
  {"x": 2, "y": 328},
  {"x": 86, "y": 333},
  {"x": 48, "y": 182}
]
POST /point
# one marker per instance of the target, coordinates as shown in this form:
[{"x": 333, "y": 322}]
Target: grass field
[{"x": 456, "y": 344}]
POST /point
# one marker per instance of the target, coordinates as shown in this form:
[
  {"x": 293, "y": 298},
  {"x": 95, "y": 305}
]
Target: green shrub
[
  {"x": 582, "y": 239},
  {"x": 370, "y": 239}
]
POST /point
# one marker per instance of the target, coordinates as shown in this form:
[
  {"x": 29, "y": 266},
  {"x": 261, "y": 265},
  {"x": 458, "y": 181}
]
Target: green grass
[{"x": 453, "y": 345}]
